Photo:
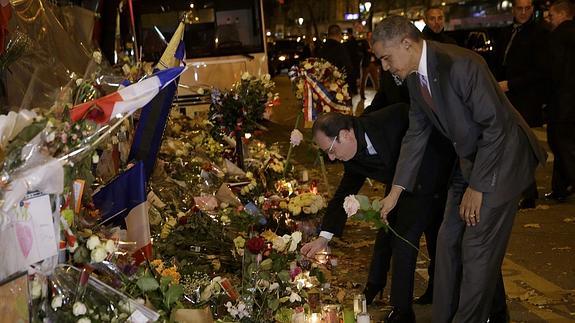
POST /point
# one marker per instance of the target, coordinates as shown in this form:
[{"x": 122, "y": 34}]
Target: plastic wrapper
[{"x": 68, "y": 299}]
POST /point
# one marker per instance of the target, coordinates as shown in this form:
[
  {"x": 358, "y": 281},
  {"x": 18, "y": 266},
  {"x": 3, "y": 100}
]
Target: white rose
[
  {"x": 279, "y": 244},
  {"x": 97, "y": 55},
  {"x": 339, "y": 96},
  {"x": 266, "y": 77},
  {"x": 295, "y": 239},
  {"x": 84, "y": 320},
  {"x": 56, "y": 302},
  {"x": 79, "y": 82},
  {"x": 79, "y": 309},
  {"x": 200, "y": 91},
  {"x": 274, "y": 286},
  {"x": 246, "y": 76},
  {"x": 98, "y": 254},
  {"x": 296, "y": 137},
  {"x": 36, "y": 289},
  {"x": 337, "y": 74},
  {"x": 93, "y": 242},
  {"x": 294, "y": 297},
  {"x": 110, "y": 246},
  {"x": 350, "y": 205}
]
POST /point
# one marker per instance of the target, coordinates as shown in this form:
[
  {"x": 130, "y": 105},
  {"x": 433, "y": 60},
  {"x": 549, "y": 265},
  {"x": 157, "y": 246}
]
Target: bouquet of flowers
[
  {"x": 308, "y": 203},
  {"x": 242, "y": 107},
  {"x": 270, "y": 269},
  {"x": 325, "y": 84}
]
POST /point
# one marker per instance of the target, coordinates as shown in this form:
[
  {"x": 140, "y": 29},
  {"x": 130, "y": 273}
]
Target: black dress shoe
[
  {"x": 499, "y": 317},
  {"x": 371, "y": 291},
  {"x": 425, "y": 298},
  {"x": 528, "y": 203},
  {"x": 400, "y": 316},
  {"x": 559, "y": 197}
]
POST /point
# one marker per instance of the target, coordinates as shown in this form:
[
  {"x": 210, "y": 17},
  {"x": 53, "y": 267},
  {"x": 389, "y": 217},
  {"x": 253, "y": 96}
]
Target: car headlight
[{"x": 282, "y": 58}]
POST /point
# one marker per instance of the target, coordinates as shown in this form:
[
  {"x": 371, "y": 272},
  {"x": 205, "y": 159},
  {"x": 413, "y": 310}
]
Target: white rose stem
[{"x": 286, "y": 167}]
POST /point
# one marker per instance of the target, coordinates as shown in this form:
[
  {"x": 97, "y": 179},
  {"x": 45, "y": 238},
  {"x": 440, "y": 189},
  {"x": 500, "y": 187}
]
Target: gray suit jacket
[{"x": 497, "y": 151}]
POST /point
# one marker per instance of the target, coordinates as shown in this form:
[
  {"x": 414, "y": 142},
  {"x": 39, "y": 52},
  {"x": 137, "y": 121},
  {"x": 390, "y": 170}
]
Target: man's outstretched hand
[
  {"x": 311, "y": 248},
  {"x": 390, "y": 201}
]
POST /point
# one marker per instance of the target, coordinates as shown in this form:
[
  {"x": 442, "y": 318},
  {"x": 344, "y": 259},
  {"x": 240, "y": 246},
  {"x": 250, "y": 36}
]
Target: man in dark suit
[
  {"x": 453, "y": 91},
  {"x": 521, "y": 72},
  {"x": 561, "y": 123},
  {"x": 434, "y": 25},
  {"x": 336, "y": 53},
  {"x": 369, "y": 147}
]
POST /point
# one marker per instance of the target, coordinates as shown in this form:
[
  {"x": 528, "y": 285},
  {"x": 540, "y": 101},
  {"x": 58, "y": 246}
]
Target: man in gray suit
[{"x": 452, "y": 90}]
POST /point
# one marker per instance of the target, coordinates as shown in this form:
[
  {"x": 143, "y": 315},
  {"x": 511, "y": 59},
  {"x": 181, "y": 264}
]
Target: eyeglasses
[{"x": 330, "y": 149}]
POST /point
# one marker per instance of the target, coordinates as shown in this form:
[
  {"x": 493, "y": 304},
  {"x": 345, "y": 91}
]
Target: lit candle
[
  {"x": 363, "y": 318},
  {"x": 315, "y": 318}
]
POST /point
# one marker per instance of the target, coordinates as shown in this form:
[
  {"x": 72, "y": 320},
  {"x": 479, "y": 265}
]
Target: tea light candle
[{"x": 322, "y": 257}]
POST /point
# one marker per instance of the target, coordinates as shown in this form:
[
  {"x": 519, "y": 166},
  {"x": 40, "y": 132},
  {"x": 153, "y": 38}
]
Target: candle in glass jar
[
  {"x": 304, "y": 176},
  {"x": 363, "y": 318},
  {"x": 331, "y": 313}
]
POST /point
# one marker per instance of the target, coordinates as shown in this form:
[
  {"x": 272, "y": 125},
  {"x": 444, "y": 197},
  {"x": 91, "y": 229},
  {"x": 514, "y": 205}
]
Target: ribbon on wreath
[{"x": 324, "y": 98}]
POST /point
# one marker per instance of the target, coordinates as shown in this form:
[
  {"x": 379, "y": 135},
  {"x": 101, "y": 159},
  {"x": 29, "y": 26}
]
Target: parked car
[{"x": 285, "y": 53}]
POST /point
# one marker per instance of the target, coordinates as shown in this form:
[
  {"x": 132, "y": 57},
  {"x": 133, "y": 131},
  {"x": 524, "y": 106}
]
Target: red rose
[{"x": 255, "y": 244}]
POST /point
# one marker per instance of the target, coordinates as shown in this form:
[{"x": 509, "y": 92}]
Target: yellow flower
[
  {"x": 158, "y": 264},
  {"x": 339, "y": 96},
  {"x": 173, "y": 273}
]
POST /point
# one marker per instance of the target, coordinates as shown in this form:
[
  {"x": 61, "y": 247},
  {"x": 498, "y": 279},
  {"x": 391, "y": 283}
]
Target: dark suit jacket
[
  {"x": 337, "y": 54},
  {"x": 524, "y": 69},
  {"x": 497, "y": 151},
  {"x": 385, "y": 129},
  {"x": 438, "y": 37},
  {"x": 562, "y": 73}
]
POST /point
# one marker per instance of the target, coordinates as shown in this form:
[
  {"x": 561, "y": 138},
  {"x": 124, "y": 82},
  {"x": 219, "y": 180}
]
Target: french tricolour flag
[
  {"x": 123, "y": 202},
  {"x": 125, "y": 100}
]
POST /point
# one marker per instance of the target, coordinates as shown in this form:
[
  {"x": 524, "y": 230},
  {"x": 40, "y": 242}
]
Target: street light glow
[
  {"x": 300, "y": 21},
  {"x": 367, "y": 6}
]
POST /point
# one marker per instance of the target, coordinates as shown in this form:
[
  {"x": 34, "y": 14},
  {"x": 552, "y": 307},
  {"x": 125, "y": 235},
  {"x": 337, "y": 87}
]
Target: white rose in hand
[{"x": 350, "y": 205}]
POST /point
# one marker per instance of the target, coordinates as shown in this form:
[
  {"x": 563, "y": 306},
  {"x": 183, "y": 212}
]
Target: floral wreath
[{"x": 321, "y": 87}]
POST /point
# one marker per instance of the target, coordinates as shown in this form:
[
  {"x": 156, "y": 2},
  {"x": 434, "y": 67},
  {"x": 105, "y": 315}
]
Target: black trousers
[
  {"x": 561, "y": 139},
  {"x": 412, "y": 216}
]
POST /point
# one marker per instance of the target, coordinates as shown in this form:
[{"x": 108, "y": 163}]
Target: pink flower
[
  {"x": 350, "y": 205},
  {"x": 296, "y": 137},
  {"x": 293, "y": 273}
]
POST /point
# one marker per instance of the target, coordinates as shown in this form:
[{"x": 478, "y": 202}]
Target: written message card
[{"x": 29, "y": 238}]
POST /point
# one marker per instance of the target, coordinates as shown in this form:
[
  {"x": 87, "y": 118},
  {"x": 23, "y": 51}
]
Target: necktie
[
  {"x": 515, "y": 30},
  {"x": 425, "y": 92}
]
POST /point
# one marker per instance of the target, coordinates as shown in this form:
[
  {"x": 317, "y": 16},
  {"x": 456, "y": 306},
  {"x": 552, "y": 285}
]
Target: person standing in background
[
  {"x": 335, "y": 52},
  {"x": 521, "y": 73},
  {"x": 369, "y": 67},
  {"x": 353, "y": 50},
  {"x": 561, "y": 111},
  {"x": 434, "y": 26}
]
